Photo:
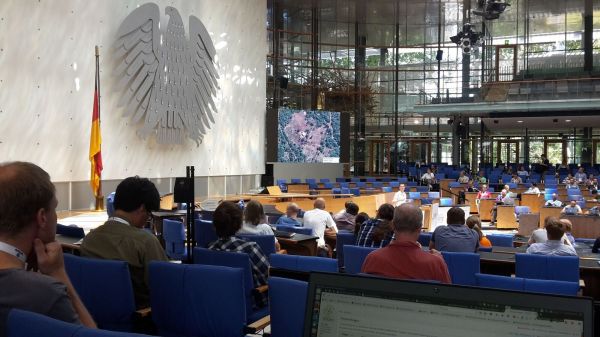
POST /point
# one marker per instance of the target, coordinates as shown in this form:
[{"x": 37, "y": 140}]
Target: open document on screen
[{"x": 350, "y": 315}]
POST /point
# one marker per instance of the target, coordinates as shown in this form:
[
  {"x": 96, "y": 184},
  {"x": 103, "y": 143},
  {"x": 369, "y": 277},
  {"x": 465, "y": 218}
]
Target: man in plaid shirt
[{"x": 227, "y": 220}]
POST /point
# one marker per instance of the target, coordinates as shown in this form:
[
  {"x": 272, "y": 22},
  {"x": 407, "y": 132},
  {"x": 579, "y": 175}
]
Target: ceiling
[{"x": 541, "y": 123}]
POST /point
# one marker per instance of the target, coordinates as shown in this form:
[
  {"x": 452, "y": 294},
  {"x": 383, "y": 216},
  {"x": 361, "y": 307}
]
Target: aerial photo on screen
[{"x": 308, "y": 136}]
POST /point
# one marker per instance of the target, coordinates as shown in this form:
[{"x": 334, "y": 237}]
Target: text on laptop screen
[{"x": 338, "y": 312}]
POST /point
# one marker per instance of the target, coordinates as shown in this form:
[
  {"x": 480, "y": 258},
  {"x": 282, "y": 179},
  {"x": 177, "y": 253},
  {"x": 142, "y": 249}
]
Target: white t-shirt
[
  {"x": 399, "y": 198},
  {"x": 318, "y": 220}
]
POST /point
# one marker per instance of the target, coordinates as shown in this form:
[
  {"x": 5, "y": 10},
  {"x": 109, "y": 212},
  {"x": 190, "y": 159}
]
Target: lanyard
[
  {"x": 14, "y": 251},
  {"x": 117, "y": 219}
]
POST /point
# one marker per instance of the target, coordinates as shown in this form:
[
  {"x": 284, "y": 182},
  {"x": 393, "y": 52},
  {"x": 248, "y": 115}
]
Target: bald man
[{"x": 319, "y": 219}]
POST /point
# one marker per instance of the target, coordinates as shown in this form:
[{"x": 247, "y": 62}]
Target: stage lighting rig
[
  {"x": 490, "y": 9},
  {"x": 467, "y": 38}
]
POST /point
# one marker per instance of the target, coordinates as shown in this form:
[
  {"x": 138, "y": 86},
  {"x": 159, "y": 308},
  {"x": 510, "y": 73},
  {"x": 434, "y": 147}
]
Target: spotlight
[
  {"x": 490, "y": 9},
  {"x": 466, "y": 39}
]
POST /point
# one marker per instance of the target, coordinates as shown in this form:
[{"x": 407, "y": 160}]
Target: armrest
[
  {"x": 144, "y": 312},
  {"x": 262, "y": 289},
  {"x": 259, "y": 325}
]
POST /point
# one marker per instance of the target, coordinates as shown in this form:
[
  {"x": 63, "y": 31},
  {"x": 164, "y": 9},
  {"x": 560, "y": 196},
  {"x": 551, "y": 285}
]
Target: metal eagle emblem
[{"x": 166, "y": 80}]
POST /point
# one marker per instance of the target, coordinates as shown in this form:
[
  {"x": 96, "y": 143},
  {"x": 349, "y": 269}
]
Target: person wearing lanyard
[
  {"x": 123, "y": 238},
  {"x": 27, "y": 244}
]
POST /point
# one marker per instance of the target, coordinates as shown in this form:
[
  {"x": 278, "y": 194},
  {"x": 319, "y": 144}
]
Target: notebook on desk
[
  {"x": 347, "y": 305},
  {"x": 283, "y": 234}
]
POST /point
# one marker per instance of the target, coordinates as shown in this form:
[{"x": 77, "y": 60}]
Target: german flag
[{"x": 96, "y": 137}]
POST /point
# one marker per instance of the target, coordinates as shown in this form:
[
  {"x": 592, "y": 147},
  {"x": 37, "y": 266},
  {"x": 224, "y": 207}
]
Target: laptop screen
[{"x": 341, "y": 305}]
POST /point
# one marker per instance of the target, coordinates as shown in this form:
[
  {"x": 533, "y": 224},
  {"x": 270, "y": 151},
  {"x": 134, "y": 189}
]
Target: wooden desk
[
  {"x": 444, "y": 183},
  {"x": 485, "y": 209},
  {"x": 299, "y": 244},
  {"x": 471, "y": 200},
  {"x": 534, "y": 201},
  {"x": 584, "y": 226},
  {"x": 427, "y": 213},
  {"x": 547, "y": 212},
  {"x": 298, "y": 188},
  {"x": 505, "y": 218}
]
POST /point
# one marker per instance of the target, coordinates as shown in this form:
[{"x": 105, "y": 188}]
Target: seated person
[
  {"x": 463, "y": 178},
  {"x": 568, "y": 229},
  {"x": 540, "y": 235},
  {"x": 568, "y": 179},
  {"x": 227, "y": 220},
  {"x": 533, "y": 189},
  {"x": 403, "y": 258},
  {"x": 484, "y": 193},
  {"x": 360, "y": 219},
  {"x": 516, "y": 179},
  {"x": 471, "y": 187},
  {"x": 122, "y": 237},
  {"x": 32, "y": 270},
  {"x": 346, "y": 219},
  {"x": 596, "y": 246},
  {"x": 428, "y": 178},
  {"x": 580, "y": 176},
  {"x": 456, "y": 237},
  {"x": 572, "y": 208},
  {"x": 502, "y": 199},
  {"x": 480, "y": 178},
  {"x": 572, "y": 184},
  {"x": 291, "y": 216},
  {"x": 400, "y": 196},
  {"x": 255, "y": 222},
  {"x": 554, "y": 202},
  {"x": 474, "y": 223},
  {"x": 554, "y": 245},
  {"x": 320, "y": 220},
  {"x": 521, "y": 171},
  {"x": 377, "y": 232}
]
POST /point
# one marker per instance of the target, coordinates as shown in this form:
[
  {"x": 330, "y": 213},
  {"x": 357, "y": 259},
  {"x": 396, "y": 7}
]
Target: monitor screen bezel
[{"x": 445, "y": 291}]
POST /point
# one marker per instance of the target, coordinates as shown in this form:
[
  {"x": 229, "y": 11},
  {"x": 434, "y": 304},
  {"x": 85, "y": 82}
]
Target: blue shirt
[
  {"x": 365, "y": 236},
  {"x": 551, "y": 247},
  {"x": 284, "y": 220},
  {"x": 455, "y": 238}
]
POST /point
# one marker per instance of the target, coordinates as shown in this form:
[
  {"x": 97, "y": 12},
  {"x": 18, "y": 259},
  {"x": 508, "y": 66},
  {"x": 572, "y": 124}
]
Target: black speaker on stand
[{"x": 183, "y": 192}]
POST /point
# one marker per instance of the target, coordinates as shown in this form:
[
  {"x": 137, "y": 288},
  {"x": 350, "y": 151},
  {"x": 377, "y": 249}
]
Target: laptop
[{"x": 353, "y": 306}]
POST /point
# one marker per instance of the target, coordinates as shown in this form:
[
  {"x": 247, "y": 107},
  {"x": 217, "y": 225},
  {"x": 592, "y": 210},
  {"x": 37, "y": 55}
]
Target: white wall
[
  {"x": 288, "y": 171},
  {"x": 47, "y": 80}
]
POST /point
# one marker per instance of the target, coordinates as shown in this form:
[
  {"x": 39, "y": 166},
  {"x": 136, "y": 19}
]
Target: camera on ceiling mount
[
  {"x": 490, "y": 9},
  {"x": 467, "y": 38}
]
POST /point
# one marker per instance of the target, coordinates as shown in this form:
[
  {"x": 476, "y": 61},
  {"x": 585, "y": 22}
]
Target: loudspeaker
[
  {"x": 439, "y": 54},
  {"x": 266, "y": 180},
  {"x": 283, "y": 82},
  {"x": 183, "y": 190}
]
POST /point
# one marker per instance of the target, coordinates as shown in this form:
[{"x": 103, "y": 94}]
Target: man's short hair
[
  {"x": 554, "y": 228},
  {"x": 567, "y": 225},
  {"x": 408, "y": 218},
  {"x": 25, "y": 188},
  {"x": 134, "y": 192},
  {"x": 292, "y": 206},
  {"x": 227, "y": 219},
  {"x": 456, "y": 215},
  {"x": 319, "y": 203},
  {"x": 385, "y": 212},
  {"x": 351, "y": 208}
]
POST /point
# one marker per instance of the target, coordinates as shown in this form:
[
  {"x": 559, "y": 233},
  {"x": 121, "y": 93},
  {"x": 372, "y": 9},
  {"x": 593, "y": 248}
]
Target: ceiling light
[
  {"x": 416, "y": 121},
  {"x": 519, "y": 121},
  {"x": 567, "y": 120}
]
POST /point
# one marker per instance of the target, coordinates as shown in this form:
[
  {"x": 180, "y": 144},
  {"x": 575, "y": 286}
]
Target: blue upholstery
[
  {"x": 422, "y": 188},
  {"x": 355, "y": 179},
  {"x": 377, "y": 184},
  {"x": 281, "y": 182},
  {"x": 287, "y": 300},
  {"x": 512, "y": 186},
  {"x": 394, "y": 184},
  {"x": 174, "y": 236},
  {"x": 546, "y": 267},
  {"x": 303, "y": 263},
  {"x": 528, "y": 285},
  {"x": 204, "y": 233},
  {"x": 414, "y": 195},
  {"x": 328, "y": 185},
  {"x": 234, "y": 260},
  {"x": 500, "y": 240},
  {"x": 386, "y": 189},
  {"x": 403, "y": 180},
  {"x": 266, "y": 242},
  {"x": 311, "y": 181},
  {"x": 446, "y": 202},
  {"x": 371, "y": 179},
  {"x": 434, "y": 195},
  {"x": 462, "y": 267},
  {"x": 576, "y": 197},
  {"x": 354, "y": 256},
  {"x": 499, "y": 282},
  {"x": 110, "y": 204},
  {"x": 522, "y": 210},
  {"x": 105, "y": 288},
  {"x": 26, "y": 324},
  {"x": 454, "y": 184},
  {"x": 573, "y": 191},
  {"x": 548, "y": 196},
  {"x": 485, "y": 249},
  {"x": 295, "y": 229},
  {"x": 360, "y": 184},
  {"x": 424, "y": 238},
  {"x": 355, "y": 191},
  {"x": 197, "y": 300},
  {"x": 70, "y": 231},
  {"x": 324, "y": 180},
  {"x": 343, "y": 238}
]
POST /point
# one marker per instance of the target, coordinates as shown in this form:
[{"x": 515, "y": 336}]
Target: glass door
[
  {"x": 556, "y": 151},
  {"x": 507, "y": 151},
  {"x": 596, "y": 153},
  {"x": 379, "y": 157},
  {"x": 506, "y": 62},
  {"x": 420, "y": 151}
]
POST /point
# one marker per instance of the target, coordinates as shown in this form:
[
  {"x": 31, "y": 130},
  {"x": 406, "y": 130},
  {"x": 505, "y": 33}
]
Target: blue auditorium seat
[
  {"x": 303, "y": 263},
  {"x": 204, "y": 233},
  {"x": 174, "y": 236},
  {"x": 462, "y": 267},
  {"x": 354, "y": 256},
  {"x": 287, "y": 300}
]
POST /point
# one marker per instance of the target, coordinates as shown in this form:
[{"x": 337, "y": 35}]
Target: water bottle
[{"x": 241, "y": 204}]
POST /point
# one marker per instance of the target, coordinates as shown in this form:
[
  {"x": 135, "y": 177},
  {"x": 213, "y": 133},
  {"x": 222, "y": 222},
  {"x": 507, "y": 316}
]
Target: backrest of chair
[
  {"x": 414, "y": 195},
  {"x": 394, "y": 184},
  {"x": 229, "y": 259},
  {"x": 287, "y": 302},
  {"x": 547, "y": 267},
  {"x": 70, "y": 231},
  {"x": 204, "y": 233},
  {"x": 377, "y": 184},
  {"x": 462, "y": 267},
  {"x": 425, "y": 238},
  {"x": 22, "y": 323},
  {"x": 197, "y": 300},
  {"x": 551, "y": 287},
  {"x": 110, "y": 204},
  {"x": 522, "y": 210},
  {"x": 324, "y": 180},
  {"x": 304, "y": 263},
  {"x": 434, "y": 195},
  {"x": 386, "y": 189},
  {"x": 295, "y": 229},
  {"x": 445, "y": 202},
  {"x": 573, "y": 191},
  {"x": 499, "y": 282},
  {"x": 296, "y": 180},
  {"x": 174, "y": 237},
  {"x": 500, "y": 240},
  {"x": 105, "y": 288},
  {"x": 354, "y": 256},
  {"x": 266, "y": 242},
  {"x": 454, "y": 184},
  {"x": 422, "y": 188},
  {"x": 343, "y": 238}
]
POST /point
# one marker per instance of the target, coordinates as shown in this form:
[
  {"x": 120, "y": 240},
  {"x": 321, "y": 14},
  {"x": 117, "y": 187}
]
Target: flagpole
[{"x": 99, "y": 196}]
